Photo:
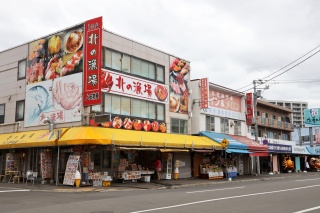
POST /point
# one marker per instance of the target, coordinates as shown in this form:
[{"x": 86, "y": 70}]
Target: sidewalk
[{"x": 154, "y": 184}]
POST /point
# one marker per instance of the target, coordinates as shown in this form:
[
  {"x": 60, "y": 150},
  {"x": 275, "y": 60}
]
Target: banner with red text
[{"x": 92, "y": 62}]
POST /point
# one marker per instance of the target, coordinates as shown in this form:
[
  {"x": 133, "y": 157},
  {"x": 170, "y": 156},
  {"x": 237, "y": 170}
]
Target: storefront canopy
[
  {"x": 218, "y": 137},
  {"x": 253, "y": 146},
  {"x": 242, "y": 151},
  {"x": 121, "y": 137},
  {"x": 39, "y": 138}
]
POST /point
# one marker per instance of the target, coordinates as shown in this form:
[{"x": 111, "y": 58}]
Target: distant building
[{"x": 296, "y": 106}]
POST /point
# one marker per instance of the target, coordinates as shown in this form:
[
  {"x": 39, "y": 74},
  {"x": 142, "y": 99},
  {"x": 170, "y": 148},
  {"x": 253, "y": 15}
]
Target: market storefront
[
  {"x": 29, "y": 151},
  {"x": 236, "y": 158},
  {"x": 129, "y": 155}
]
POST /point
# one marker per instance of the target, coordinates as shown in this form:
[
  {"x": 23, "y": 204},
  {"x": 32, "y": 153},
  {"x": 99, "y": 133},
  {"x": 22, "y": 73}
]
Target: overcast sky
[{"x": 231, "y": 42}]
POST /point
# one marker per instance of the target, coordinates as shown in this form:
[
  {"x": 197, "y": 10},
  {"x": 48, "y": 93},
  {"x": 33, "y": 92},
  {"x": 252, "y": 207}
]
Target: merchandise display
[{"x": 46, "y": 164}]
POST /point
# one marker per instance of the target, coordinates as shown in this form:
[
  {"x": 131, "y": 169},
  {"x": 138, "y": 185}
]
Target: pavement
[{"x": 153, "y": 184}]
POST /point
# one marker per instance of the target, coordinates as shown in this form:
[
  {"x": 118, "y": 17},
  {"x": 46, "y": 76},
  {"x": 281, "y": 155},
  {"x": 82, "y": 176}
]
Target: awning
[
  {"x": 260, "y": 154},
  {"x": 218, "y": 137},
  {"x": 252, "y": 145},
  {"x": 39, "y": 138},
  {"x": 174, "y": 150},
  {"x": 122, "y": 137},
  {"x": 238, "y": 151}
]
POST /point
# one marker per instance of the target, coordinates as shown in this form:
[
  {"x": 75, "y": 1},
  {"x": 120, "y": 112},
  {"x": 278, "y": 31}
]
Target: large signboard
[
  {"x": 92, "y": 63},
  {"x": 224, "y": 104},
  {"x": 311, "y": 117},
  {"x": 59, "y": 99},
  {"x": 54, "y": 78},
  {"x": 204, "y": 93},
  {"x": 179, "y": 92},
  {"x": 55, "y": 56},
  {"x": 279, "y": 148},
  {"x": 121, "y": 84}
]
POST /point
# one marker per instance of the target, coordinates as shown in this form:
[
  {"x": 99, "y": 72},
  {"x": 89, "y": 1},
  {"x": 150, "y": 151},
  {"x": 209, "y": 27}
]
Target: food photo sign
[
  {"x": 131, "y": 123},
  {"x": 55, "y": 56},
  {"x": 59, "y": 99},
  {"x": 121, "y": 84},
  {"x": 179, "y": 95}
]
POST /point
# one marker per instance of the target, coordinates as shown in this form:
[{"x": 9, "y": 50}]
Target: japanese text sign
[
  {"x": 222, "y": 100},
  {"x": 92, "y": 62},
  {"x": 204, "y": 93},
  {"x": 116, "y": 83},
  {"x": 249, "y": 104}
]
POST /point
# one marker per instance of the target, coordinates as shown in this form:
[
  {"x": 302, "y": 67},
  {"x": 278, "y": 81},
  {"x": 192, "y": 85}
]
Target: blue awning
[
  {"x": 237, "y": 151},
  {"x": 218, "y": 137}
]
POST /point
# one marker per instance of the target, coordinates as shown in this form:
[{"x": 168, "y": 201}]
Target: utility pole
[{"x": 256, "y": 122}]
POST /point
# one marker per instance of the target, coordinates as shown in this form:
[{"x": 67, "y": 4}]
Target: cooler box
[{"x": 146, "y": 178}]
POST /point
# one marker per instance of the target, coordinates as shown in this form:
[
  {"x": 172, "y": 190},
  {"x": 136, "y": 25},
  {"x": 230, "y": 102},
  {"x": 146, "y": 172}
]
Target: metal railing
[{"x": 268, "y": 122}]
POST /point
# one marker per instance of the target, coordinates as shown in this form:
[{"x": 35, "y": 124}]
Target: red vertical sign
[
  {"x": 204, "y": 93},
  {"x": 249, "y": 108},
  {"x": 92, "y": 62}
]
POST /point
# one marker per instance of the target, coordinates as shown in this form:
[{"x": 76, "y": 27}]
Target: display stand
[
  {"x": 167, "y": 166},
  {"x": 127, "y": 175},
  {"x": 232, "y": 172},
  {"x": 211, "y": 172}
]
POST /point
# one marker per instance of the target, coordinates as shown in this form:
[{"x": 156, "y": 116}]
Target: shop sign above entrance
[{"x": 224, "y": 143}]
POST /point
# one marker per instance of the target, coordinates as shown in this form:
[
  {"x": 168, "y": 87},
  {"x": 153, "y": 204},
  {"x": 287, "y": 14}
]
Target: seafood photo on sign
[{"x": 178, "y": 81}]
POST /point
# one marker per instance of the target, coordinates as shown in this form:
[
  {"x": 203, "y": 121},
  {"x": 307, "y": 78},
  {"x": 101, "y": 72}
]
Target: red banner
[
  {"x": 249, "y": 108},
  {"x": 204, "y": 93},
  {"x": 92, "y": 62}
]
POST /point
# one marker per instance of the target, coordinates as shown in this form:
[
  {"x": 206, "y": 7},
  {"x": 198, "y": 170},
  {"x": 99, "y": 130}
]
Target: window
[
  {"x": 122, "y": 105},
  {"x": 209, "y": 123},
  {"x": 224, "y": 125},
  {"x": 20, "y": 110},
  {"x": 22, "y": 66},
  {"x": 179, "y": 126},
  {"x": 2, "y": 110},
  {"x": 237, "y": 127},
  {"x": 106, "y": 159},
  {"x": 129, "y": 64}
]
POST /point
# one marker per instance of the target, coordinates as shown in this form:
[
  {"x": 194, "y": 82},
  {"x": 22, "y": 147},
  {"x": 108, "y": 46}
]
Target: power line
[{"x": 285, "y": 67}]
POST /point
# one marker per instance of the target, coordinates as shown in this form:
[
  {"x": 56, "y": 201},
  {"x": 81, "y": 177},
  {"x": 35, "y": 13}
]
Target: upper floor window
[
  {"x": 2, "y": 110},
  {"x": 122, "y": 105},
  {"x": 209, "y": 123},
  {"x": 20, "y": 110},
  {"x": 179, "y": 126},
  {"x": 129, "y": 64},
  {"x": 224, "y": 125},
  {"x": 22, "y": 66}
]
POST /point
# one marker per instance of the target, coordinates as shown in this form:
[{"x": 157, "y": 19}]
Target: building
[
  {"x": 100, "y": 102},
  {"x": 273, "y": 121},
  {"x": 297, "y": 108}
]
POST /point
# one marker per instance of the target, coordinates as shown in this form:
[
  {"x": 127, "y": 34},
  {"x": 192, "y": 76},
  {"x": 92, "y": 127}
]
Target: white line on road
[
  {"x": 224, "y": 198},
  {"x": 215, "y": 190},
  {"x": 308, "y": 210},
  {"x": 18, "y": 190},
  {"x": 309, "y": 179}
]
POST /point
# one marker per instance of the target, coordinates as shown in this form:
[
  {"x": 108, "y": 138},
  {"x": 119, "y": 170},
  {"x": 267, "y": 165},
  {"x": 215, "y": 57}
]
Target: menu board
[
  {"x": 46, "y": 164},
  {"x": 71, "y": 169},
  {"x": 12, "y": 162}
]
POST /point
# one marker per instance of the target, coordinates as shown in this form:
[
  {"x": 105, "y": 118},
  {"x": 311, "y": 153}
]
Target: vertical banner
[
  {"x": 92, "y": 62},
  {"x": 204, "y": 93},
  {"x": 249, "y": 108}
]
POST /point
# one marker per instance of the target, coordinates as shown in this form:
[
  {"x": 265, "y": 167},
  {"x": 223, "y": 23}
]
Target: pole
[
  {"x": 225, "y": 160},
  {"x": 256, "y": 122},
  {"x": 58, "y": 159},
  {"x": 311, "y": 136}
]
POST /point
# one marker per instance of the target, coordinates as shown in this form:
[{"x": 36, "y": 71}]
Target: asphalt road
[{"x": 298, "y": 195}]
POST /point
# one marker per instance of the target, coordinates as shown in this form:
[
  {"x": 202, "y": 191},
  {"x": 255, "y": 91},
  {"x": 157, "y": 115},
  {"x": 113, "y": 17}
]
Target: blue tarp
[{"x": 218, "y": 137}]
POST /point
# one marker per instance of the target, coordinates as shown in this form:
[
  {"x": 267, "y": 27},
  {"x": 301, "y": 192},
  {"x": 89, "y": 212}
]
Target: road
[{"x": 297, "y": 195}]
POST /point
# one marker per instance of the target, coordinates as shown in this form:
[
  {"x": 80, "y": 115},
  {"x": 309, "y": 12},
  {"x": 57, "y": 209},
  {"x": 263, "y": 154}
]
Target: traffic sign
[{"x": 224, "y": 143}]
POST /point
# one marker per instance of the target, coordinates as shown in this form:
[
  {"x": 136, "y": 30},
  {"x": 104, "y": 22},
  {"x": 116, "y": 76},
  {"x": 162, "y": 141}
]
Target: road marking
[
  {"x": 215, "y": 190},
  {"x": 18, "y": 190},
  {"x": 308, "y": 210},
  {"x": 223, "y": 198},
  {"x": 308, "y": 179}
]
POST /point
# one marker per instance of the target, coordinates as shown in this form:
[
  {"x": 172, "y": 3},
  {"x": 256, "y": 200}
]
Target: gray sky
[{"x": 231, "y": 42}]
